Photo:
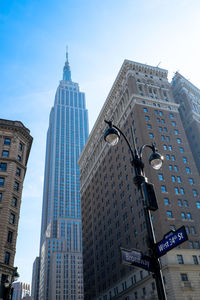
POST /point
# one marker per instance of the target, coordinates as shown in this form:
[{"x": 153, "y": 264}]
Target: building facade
[
  {"x": 61, "y": 236},
  {"x": 188, "y": 97},
  {"x": 112, "y": 210},
  {"x": 15, "y": 145},
  {"x": 35, "y": 279},
  {"x": 20, "y": 290}
]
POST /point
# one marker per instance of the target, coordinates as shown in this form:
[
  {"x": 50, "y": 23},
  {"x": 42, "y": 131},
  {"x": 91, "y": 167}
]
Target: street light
[{"x": 112, "y": 136}]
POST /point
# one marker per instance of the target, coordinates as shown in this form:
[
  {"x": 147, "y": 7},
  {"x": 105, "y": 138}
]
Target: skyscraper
[
  {"x": 15, "y": 146},
  {"x": 61, "y": 242},
  {"x": 188, "y": 97},
  {"x": 140, "y": 101}
]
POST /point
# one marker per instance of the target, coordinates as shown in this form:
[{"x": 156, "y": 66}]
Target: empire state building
[{"x": 61, "y": 238}]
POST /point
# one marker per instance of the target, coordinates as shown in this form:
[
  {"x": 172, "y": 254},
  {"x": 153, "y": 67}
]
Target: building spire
[{"x": 66, "y": 69}]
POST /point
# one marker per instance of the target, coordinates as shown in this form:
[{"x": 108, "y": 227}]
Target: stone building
[
  {"x": 141, "y": 101},
  {"x": 15, "y": 145}
]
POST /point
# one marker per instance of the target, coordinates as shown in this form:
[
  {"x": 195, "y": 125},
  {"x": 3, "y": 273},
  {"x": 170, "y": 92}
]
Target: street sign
[
  {"x": 136, "y": 258},
  {"x": 171, "y": 240}
]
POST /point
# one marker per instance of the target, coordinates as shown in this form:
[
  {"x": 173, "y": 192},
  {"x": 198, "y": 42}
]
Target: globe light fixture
[
  {"x": 111, "y": 136},
  {"x": 155, "y": 160}
]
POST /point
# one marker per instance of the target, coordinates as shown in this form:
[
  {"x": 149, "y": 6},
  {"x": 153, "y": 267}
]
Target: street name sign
[
  {"x": 136, "y": 258},
  {"x": 171, "y": 240}
]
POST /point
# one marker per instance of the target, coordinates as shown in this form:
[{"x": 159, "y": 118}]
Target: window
[
  {"x": 191, "y": 180},
  {"x": 173, "y": 158},
  {"x": 16, "y": 186},
  {"x": 160, "y": 113},
  {"x": 181, "y": 149},
  {"x": 180, "y": 259},
  {"x": 10, "y": 237},
  {"x": 158, "y": 120},
  {"x": 162, "y": 137},
  {"x": 163, "y": 189},
  {"x": 176, "y": 168},
  {"x": 189, "y": 216},
  {"x": 7, "y": 141},
  {"x": 176, "y": 131},
  {"x": 147, "y": 118},
  {"x": 167, "y": 156},
  {"x": 160, "y": 129},
  {"x": 195, "y": 194},
  {"x": 195, "y": 259},
  {"x": 182, "y": 191},
  {"x": 193, "y": 230},
  {"x": 187, "y": 229},
  {"x": 171, "y": 116},
  {"x": 165, "y": 129},
  {"x": 20, "y": 147},
  {"x": 18, "y": 171},
  {"x": 3, "y": 166},
  {"x": 176, "y": 190},
  {"x": 170, "y": 167},
  {"x": 197, "y": 244},
  {"x": 151, "y": 135},
  {"x": 162, "y": 121},
  {"x": 12, "y": 218},
  {"x": 173, "y": 123},
  {"x": 5, "y": 153},
  {"x": 156, "y": 112},
  {"x": 170, "y": 148},
  {"x": 145, "y": 109},
  {"x": 179, "y": 179},
  {"x": 173, "y": 178},
  {"x": 178, "y": 141},
  {"x": 185, "y": 160},
  {"x": 168, "y": 138},
  {"x": 169, "y": 214},
  {"x": 2, "y": 180},
  {"x": 165, "y": 147},
  {"x": 184, "y": 277},
  {"x": 191, "y": 245},
  {"x": 19, "y": 158},
  {"x": 185, "y": 202},
  {"x": 166, "y": 201},
  {"x": 149, "y": 126},
  {"x": 14, "y": 202},
  {"x": 183, "y": 216},
  {"x": 160, "y": 176},
  {"x": 180, "y": 203},
  {"x": 0, "y": 197},
  {"x": 7, "y": 258},
  {"x": 198, "y": 204}
]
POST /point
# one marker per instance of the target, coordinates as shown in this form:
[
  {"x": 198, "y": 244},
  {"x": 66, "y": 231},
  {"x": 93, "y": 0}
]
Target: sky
[{"x": 100, "y": 35}]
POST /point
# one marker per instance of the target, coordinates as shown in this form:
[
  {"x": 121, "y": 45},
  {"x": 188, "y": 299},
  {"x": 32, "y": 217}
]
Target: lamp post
[
  {"x": 8, "y": 289},
  {"x": 112, "y": 136}
]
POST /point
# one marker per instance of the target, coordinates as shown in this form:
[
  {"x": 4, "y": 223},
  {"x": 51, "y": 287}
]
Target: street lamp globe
[
  {"x": 111, "y": 136},
  {"x": 156, "y": 160}
]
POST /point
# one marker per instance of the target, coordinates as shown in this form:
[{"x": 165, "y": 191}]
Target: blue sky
[{"x": 100, "y": 35}]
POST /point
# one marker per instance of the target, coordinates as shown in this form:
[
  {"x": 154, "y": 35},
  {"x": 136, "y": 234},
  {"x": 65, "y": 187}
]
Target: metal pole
[{"x": 151, "y": 245}]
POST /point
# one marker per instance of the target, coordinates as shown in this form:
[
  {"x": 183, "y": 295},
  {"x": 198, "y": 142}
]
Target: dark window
[
  {"x": 5, "y": 153},
  {"x": 2, "y": 180},
  {"x": 19, "y": 158},
  {"x": 180, "y": 259},
  {"x": 7, "y": 141},
  {"x": 7, "y": 258},
  {"x": 184, "y": 277},
  {"x": 0, "y": 197},
  {"x": 14, "y": 201},
  {"x": 20, "y": 146},
  {"x": 18, "y": 171},
  {"x": 3, "y": 166},
  {"x": 195, "y": 259},
  {"x": 12, "y": 218},
  {"x": 16, "y": 186},
  {"x": 10, "y": 237}
]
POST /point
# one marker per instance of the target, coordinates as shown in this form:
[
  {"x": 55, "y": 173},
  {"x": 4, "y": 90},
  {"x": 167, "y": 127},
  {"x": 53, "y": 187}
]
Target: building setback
[
  {"x": 188, "y": 97},
  {"x": 20, "y": 290},
  {"x": 112, "y": 209},
  {"x": 35, "y": 279},
  {"x": 15, "y": 145},
  {"x": 61, "y": 235}
]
